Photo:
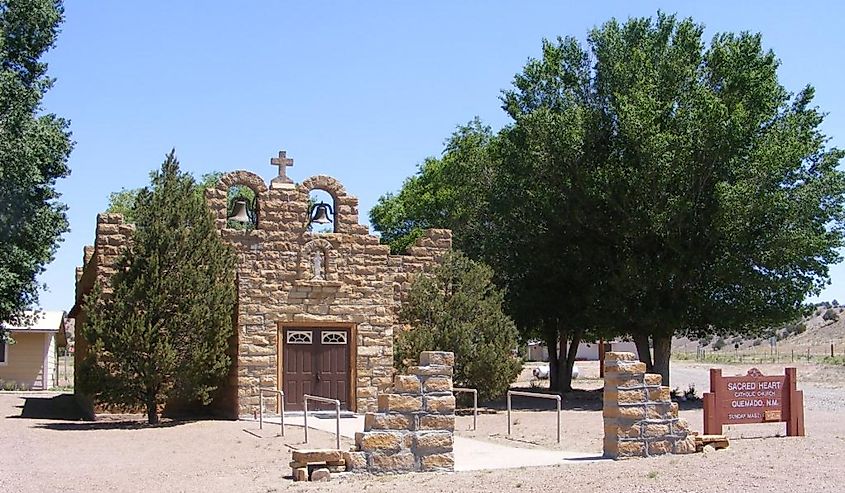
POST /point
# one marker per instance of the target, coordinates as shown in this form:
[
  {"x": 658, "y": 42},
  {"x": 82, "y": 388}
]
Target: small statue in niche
[{"x": 317, "y": 265}]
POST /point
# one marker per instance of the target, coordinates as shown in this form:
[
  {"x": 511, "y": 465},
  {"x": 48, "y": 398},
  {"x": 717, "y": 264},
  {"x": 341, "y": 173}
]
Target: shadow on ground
[
  {"x": 577, "y": 400},
  {"x": 110, "y": 425},
  {"x": 62, "y": 406}
]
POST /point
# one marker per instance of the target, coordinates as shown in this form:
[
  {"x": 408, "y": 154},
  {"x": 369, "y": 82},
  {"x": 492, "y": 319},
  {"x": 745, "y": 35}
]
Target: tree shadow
[
  {"x": 116, "y": 424},
  {"x": 577, "y": 400},
  {"x": 60, "y": 407}
]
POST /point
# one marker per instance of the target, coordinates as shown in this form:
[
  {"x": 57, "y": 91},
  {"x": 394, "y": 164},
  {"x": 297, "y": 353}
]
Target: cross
[{"x": 282, "y": 162}]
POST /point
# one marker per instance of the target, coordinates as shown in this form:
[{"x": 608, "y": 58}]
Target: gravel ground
[{"x": 120, "y": 454}]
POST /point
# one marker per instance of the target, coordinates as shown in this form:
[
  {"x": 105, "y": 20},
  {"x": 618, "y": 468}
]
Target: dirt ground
[{"x": 42, "y": 452}]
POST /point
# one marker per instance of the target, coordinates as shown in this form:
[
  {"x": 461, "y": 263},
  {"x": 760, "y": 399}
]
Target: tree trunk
[
  {"x": 563, "y": 374},
  {"x": 570, "y": 359},
  {"x": 662, "y": 353},
  {"x": 551, "y": 345},
  {"x": 641, "y": 341},
  {"x": 152, "y": 411}
]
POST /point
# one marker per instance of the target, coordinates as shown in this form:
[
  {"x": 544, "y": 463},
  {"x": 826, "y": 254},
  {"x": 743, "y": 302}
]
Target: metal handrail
[
  {"x": 534, "y": 394},
  {"x": 474, "y": 393},
  {"x": 336, "y": 402},
  {"x": 281, "y": 393}
]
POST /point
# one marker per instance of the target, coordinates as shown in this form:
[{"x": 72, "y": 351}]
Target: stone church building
[{"x": 316, "y": 312}]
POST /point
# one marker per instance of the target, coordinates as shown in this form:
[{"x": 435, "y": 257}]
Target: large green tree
[
  {"x": 652, "y": 184},
  {"x": 161, "y": 329},
  {"x": 34, "y": 148},
  {"x": 726, "y": 206}
]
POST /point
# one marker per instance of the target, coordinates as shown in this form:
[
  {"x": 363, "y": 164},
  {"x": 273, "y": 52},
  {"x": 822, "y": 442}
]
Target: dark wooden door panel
[{"x": 316, "y": 361}]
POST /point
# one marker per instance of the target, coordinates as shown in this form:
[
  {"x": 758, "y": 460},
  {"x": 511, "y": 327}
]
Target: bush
[
  {"x": 830, "y": 315},
  {"x": 457, "y": 308},
  {"x": 719, "y": 344}
]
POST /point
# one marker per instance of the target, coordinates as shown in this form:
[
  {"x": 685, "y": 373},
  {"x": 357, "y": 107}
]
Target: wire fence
[{"x": 832, "y": 354}]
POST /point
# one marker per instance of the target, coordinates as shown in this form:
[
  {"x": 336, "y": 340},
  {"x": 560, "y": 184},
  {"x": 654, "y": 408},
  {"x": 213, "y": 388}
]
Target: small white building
[
  {"x": 31, "y": 360},
  {"x": 587, "y": 351}
]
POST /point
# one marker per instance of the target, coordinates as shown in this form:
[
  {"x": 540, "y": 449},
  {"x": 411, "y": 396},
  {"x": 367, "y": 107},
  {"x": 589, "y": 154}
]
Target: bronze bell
[
  {"x": 320, "y": 214},
  {"x": 239, "y": 213}
]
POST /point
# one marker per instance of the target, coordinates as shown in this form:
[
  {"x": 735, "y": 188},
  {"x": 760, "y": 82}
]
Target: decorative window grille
[
  {"x": 299, "y": 337},
  {"x": 333, "y": 337}
]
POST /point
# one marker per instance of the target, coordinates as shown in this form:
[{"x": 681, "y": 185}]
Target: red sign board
[{"x": 753, "y": 398}]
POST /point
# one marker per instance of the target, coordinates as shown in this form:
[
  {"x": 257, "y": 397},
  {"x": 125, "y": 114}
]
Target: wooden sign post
[{"x": 753, "y": 398}]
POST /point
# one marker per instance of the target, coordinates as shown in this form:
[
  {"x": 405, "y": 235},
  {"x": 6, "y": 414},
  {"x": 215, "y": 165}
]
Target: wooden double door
[{"x": 316, "y": 361}]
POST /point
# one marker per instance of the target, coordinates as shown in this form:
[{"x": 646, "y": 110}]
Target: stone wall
[
  {"x": 414, "y": 427},
  {"x": 640, "y": 419},
  {"x": 111, "y": 237},
  {"x": 360, "y": 286}
]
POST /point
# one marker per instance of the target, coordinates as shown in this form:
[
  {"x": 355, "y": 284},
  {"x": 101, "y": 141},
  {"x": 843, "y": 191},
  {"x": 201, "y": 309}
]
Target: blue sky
[{"x": 362, "y": 91}]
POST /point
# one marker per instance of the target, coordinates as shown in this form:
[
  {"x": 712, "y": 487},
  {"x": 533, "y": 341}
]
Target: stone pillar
[
  {"x": 414, "y": 427},
  {"x": 640, "y": 419}
]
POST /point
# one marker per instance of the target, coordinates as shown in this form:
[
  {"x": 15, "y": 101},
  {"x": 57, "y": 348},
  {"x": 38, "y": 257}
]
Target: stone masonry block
[
  {"x": 631, "y": 449},
  {"x": 381, "y": 441},
  {"x": 438, "y": 462},
  {"x": 392, "y": 463},
  {"x": 437, "y": 384},
  {"x": 406, "y": 384},
  {"x": 653, "y": 379},
  {"x": 624, "y": 366},
  {"x": 619, "y": 356},
  {"x": 660, "y": 394},
  {"x": 431, "y": 370},
  {"x": 658, "y": 410},
  {"x": 432, "y": 442},
  {"x": 437, "y": 422},
  {"x": 355, "y": 461},
  {"x": 399, "y": 403},
  {"x": 684, "y": 446},
  {"x": 631, "y": 397},
  {"x": 381, "y": 421},
  {"x": 440, "y": 404},
  {"x": 660, "y": 447},
  {"x": 673, "y": 409},
  {"x": 429, "y": 358},
  {"x": 656, "y": 430}
]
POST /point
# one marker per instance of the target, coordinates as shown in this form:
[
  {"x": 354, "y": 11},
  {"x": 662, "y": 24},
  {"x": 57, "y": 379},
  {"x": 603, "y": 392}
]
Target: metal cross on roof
[{"x": 282, "y": 162}]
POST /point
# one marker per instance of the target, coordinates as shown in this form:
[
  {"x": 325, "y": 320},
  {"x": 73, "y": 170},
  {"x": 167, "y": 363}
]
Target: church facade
[{"x": 316, "y": 312}]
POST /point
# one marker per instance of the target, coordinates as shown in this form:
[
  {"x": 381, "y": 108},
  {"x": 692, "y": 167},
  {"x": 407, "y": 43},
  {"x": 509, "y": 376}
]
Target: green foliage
[
  {"x": 124, "y": 201},
  {"x": 451, "y": 192},
  {"x": 719, "y": 344},
  {"x": 678, "y": 178},
  {"x": 34, "y": 148},
  {"x": 458, "y": 308},
  {"x": 163, "y": 330},
  {"x": 830, "y": 315}
]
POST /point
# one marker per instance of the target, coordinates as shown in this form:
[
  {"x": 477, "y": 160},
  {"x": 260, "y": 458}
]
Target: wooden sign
[{"x": 753, "y": 398}]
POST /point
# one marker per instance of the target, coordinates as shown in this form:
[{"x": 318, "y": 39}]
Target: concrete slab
[{"x": 470, "y": 454}]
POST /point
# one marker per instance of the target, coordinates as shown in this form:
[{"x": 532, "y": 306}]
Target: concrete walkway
[{"x": 470, "y": 454}]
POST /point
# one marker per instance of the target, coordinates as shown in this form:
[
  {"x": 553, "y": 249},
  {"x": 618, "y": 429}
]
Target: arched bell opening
[
  {"x": 241, "y": 207},
  {"x": 322, "y": 209}
]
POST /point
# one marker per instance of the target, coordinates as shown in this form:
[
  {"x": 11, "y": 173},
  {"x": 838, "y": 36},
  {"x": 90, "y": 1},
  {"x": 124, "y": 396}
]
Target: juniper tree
[
  {"x": 457, "y": 308},
  {"x": 161, "y": 329}
]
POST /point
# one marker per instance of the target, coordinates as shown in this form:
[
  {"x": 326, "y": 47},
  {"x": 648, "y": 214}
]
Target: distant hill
[{"x": 825, "y": 326}]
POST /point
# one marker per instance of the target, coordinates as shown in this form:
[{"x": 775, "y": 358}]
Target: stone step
[{"x": 316, "y": 455}]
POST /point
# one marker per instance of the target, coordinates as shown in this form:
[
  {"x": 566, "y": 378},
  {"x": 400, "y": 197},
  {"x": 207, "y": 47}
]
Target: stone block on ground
[
  {"x": 316, "y": 455},
  {"x": 300, "y": 474},
  {"x": 321, "y": 474}
]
